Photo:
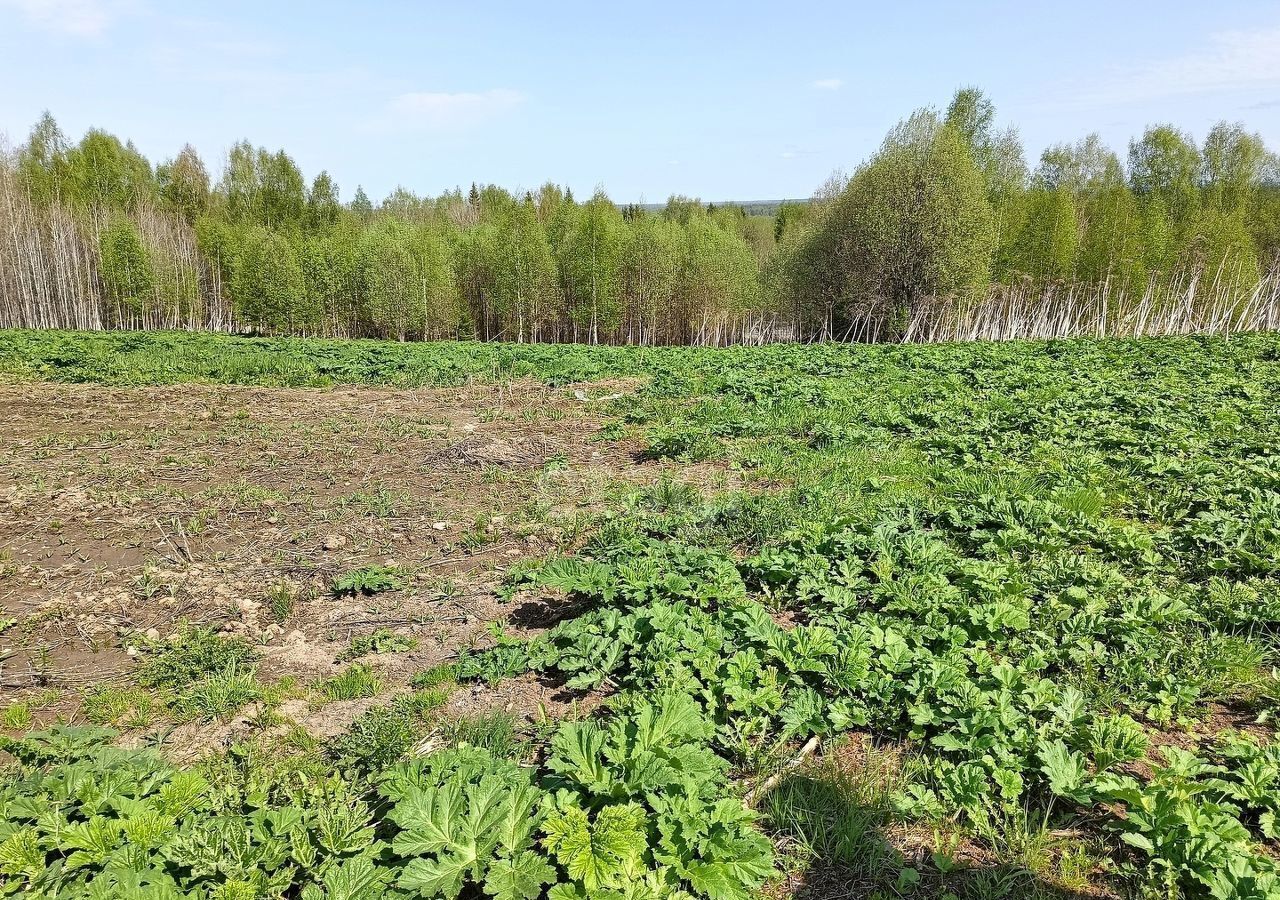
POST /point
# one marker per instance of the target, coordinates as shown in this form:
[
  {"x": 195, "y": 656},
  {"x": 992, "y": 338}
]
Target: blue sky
[{"x": 719, "y": 100}]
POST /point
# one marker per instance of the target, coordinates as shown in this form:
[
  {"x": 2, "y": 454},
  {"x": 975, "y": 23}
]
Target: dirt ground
[{"x": 125, "y": 513}]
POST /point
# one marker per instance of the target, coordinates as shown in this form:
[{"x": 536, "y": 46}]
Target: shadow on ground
[{"x": 842, "y": 834}]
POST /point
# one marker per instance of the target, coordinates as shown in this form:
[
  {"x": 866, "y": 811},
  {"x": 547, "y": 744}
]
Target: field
[{"x": 343, "y": 620}]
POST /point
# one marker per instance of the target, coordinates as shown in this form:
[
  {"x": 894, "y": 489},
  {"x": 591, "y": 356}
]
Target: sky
[{"x": 743, "y": 100}]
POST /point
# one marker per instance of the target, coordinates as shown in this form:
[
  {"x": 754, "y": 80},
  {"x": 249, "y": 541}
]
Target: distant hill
[{"x": 751, "y": 207}]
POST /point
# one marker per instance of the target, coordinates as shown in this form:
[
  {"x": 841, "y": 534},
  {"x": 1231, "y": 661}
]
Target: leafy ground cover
[
  {"x": 146, "y": 358},
  {"x": 1023, "y": 598}
]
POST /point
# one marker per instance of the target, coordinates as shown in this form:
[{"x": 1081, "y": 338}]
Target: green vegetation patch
[
  {"x": 1047, "y": 575},
  {"x": 368, "y": 580},
  {"x": 1010, "y": 558}
]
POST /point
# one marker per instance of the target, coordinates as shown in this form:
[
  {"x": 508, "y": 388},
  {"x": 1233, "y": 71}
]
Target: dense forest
[{"x": 946, "y": 232}]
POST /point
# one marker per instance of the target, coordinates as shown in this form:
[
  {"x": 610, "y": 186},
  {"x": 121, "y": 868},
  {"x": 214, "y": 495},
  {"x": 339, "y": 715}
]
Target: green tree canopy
[
  {"x": 1165, "y": 164},
  {"x": 718, "y": 278},
  {"x": 106, "y": 173},
  {"x": 184, "y": 184},
  {"x": 524, "y": 272},
  {"x": 1235, "y": 163},
  {"x": 589, "y": 263},
  {"x": 323, "y": 207},
  {"x": 268, "y": 286},
  {"x": 43, "y": 165},
  {"x": 407, "y": 281},
  {"x": 126, "y": 268},
  {"x": 650, "y": 275},
  {"x": 913, "y": 223}
]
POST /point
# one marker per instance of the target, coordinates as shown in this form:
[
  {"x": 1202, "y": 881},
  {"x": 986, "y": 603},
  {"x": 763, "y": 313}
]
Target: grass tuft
[{"x": 353, "y": 683}]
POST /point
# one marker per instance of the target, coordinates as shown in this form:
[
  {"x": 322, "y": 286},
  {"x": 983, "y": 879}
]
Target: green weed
[
  {"x": 369, "y": 580},
  {"x": 193, "y": 653},
  {"x": 383, "y": 640},
  {"x": 352, "y": 683}
]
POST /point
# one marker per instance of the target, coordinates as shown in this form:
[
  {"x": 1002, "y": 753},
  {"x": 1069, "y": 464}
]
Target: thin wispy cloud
[
  {"x": 443, "y": 111},
  {"x": 795, "y": 152},
  {"x": 827, "y": 84},
  {"x": 1231, "y": 61},
  {"x": 78, "y": 18}
]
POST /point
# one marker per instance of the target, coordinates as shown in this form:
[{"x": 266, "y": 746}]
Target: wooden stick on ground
[{"x": 753, "y": 796}]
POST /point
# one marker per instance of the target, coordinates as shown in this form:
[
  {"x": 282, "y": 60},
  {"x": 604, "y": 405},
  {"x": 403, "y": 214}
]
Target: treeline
[
  {"x": 946, "y": 226},
  {"x": 946, "y": 232},
  {"x": 95, "y": 237}
]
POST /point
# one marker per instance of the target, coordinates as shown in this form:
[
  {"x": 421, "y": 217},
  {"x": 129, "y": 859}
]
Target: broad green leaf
[
  {"x": 597, "y": 853},
  {"x": 355, "y": 879},
  {"x": 429, "y": 817},
  {"x": 520, "y": 877},
  {"x": 20, "y": 854},
  {"x": 1064, "y": 768},
  {"x": 438, "y": 877},
  {"x": 520, "y": 817},
  {"x": 575, "y": 752}
]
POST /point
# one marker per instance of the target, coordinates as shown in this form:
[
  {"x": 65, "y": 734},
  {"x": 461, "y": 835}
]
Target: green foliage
[
  {"x": 718, "y": 276},
  {"x": 406, "y": 280},
  {"x": 1165, "y": 165},
  {"x": 352, "y": 683},
  {"x": 369, "y": 580},
  {"x": 646, "y": 793},
  {"x": 466, "y": 818},
  {"x": 268, "y": 285},
  {"x": 1048, "y": 582},
  {"x": 127, "y": 272},
  {"x": 218, "y": 695},
  {"x": 1197, "y": 824},
  {"x": 105, "y": 173},
  {"x": 589, "y": 264},
  {"x": 193, "y": 653},
  {"x": 119, "y": 707},
  {"x": 384, "y": 734},
  {"x": 197, "y": 674},
  {"x": 43, "y": 168},
  {"x": 492, "y": 731},
  {"x": 651, "y": 269},
  {"x": 1113, "y": 244},
  {"x": 625, "y": 807},
  {"x": 323, "y": 208},
  {"x": 262, "y": 188},
  {"x": 1049, "y": 242},
  {"x": 84, "y": 819},
  {"x": 281, "y": 601},
  {"x": 445, "y": 673},
  {"x": 944, "y": 215},
  {"x": 913, "y": 223},
  {"x": 1029, "y": 564},
  {"x": 521, "y": 274},
  {"x": 838, "y": 814},
  {"x": 184, "y": 184},
  {"x": 383, "y": 640}
]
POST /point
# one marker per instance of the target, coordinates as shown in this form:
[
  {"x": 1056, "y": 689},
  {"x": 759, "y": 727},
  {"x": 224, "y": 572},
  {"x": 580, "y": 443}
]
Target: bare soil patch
[{"x": 125, "y": 513}]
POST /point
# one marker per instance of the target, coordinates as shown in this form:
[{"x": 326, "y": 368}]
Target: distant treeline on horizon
[
  {"x": 749, "y": 207},
  {"x": 945, "y": 233}
]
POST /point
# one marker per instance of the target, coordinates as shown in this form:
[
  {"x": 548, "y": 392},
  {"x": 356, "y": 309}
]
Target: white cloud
[
  {"x": 1232, "y": 61},
  {"x": 441, "y": 111},
  {"x": 828, "y": 84},
  {"x": 79, "y": 18}
]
